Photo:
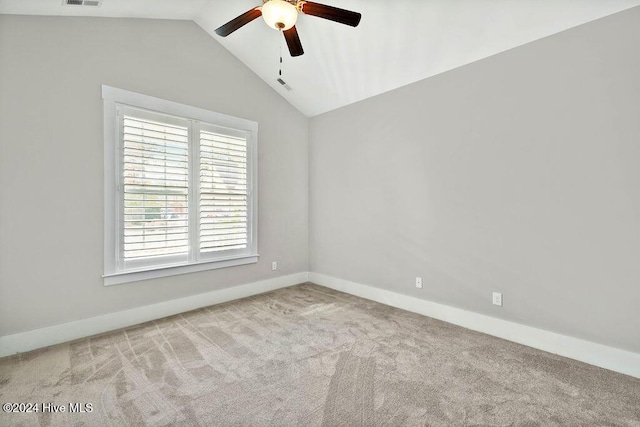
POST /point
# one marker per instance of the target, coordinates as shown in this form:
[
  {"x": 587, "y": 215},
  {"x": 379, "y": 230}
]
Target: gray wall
[
  {"x": 51, "y": 159},
  {"x": 519, "y": 173}
]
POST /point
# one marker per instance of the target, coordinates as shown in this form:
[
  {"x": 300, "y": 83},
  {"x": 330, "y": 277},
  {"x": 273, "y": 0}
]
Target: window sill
[{"x": 173, "y": 270}]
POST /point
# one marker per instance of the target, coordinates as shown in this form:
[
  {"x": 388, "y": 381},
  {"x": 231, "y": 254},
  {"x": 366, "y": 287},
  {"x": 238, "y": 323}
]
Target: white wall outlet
[
  {"x": 497, "y": 299},
  {"x": 419, "y": 282},
  {"x": 274, "y": 265}
]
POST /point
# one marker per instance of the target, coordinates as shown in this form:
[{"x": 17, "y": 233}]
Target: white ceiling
[{"x": 397, "y": 42}]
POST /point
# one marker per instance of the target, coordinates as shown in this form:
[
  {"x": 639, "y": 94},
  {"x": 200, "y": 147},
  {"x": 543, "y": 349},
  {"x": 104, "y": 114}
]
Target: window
[{"x": 179, "y": 188}]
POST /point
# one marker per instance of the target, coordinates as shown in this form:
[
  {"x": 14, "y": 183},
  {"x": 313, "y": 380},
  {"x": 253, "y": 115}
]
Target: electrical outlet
[
  {"x": 419, "y": 282},
  {"x": 497, "y": 299},
  {"x": 274, "y": 265}
]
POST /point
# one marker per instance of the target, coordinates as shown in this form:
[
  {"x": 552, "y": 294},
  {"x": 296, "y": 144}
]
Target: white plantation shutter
[
  {"x": 180, "y": 187},
  {"x": 223, "y": 191},
  {"x": 155, "y": 188}
]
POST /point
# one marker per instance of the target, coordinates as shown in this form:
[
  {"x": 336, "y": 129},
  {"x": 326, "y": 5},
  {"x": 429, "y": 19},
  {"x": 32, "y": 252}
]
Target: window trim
[{"x": 112, "y": 98}]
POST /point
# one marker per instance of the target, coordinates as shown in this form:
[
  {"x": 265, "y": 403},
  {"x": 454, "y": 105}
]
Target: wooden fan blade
[
  {"x": 239, "y": 22},
  {"x": 293, "y": 41},
  {"x": 331, "y": 13}
]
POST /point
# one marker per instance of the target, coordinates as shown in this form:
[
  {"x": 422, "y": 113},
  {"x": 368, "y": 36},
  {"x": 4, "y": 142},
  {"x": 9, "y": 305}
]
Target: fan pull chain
[
  {"x": 279, "y": 79},
  {"x": 280, "y": 65}
]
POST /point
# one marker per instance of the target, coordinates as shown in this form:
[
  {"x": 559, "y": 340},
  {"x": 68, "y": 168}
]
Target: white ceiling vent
[{"x": 82, "y": 2}]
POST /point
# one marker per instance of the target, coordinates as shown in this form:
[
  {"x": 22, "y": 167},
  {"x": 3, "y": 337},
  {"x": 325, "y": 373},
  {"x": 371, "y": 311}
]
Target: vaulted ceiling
[{"x": 397, "y": 42}]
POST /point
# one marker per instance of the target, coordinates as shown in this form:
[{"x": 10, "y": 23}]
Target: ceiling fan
[{"x": 282, "y": 15}]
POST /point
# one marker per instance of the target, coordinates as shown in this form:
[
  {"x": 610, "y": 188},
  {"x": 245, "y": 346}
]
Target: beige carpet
[{"x": 310, "y": 356}]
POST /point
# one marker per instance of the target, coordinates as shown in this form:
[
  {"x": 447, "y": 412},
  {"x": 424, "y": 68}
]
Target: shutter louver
[
  {"x": 155, "y": 189},
  {"x": 223, "y": 192}
]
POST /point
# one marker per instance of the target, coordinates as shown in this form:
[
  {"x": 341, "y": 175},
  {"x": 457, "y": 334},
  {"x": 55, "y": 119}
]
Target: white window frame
[{"x": 116, "y": 100}]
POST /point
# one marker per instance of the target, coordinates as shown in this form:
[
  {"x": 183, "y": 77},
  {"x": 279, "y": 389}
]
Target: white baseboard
[
  {"x": 44, "y": 337},
  {"x": 615, "y": 359}
]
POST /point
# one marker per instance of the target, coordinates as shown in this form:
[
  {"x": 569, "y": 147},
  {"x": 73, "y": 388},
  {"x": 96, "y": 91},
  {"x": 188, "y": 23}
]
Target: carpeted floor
[{"x": 307, "y": 355}]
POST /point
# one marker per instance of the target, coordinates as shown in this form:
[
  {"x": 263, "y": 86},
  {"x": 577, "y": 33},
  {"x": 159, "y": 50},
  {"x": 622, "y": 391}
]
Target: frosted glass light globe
[{"x": 279, "y": 14}]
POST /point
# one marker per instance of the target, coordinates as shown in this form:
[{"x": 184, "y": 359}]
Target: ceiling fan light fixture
[{"x": 279, "y": 14}]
